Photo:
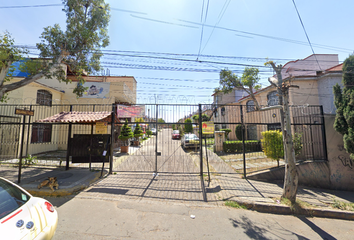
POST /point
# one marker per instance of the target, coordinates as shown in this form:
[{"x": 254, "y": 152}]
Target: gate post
[
  {"x": 21, "y": 149},
  {"x": 112, "y": 139},
  {"x": 157, "y": 133},
  {"x": 243, "y": 143},
  {"x": 68, "y": 148},
  {"x": 323, "y": 127},
  {"x": 200, "y": 140}
]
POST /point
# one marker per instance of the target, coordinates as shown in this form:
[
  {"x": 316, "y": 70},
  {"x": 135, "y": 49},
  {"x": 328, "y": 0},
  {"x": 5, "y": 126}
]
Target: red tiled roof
[
  {"x": 77, "y": 117},
  {"x": 336, "y": 68}
]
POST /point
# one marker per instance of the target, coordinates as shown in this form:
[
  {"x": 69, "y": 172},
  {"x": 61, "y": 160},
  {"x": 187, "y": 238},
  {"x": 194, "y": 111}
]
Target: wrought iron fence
[{"x": 241, "y": 149}]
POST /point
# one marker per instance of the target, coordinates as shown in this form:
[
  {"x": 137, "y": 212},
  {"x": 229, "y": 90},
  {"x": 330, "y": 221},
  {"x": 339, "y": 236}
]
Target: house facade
[
  {"x": 315, "y": 77},
  {"x": 47, "y": 97}
]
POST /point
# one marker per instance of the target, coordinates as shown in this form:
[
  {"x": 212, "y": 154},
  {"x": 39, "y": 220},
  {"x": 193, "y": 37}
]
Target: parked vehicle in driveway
[
  {"x": 190, "y": 140},
  {"x": 153, "y": 130},
  {"x": 23, "y": 216},
  {"x": 176, "y": 135}
]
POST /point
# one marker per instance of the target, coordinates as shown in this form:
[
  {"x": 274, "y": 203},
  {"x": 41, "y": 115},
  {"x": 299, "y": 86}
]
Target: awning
[{"x": 78, "y": 117}]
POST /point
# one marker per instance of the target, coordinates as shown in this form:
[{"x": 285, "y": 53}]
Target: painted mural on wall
[
  {"x": 346, "y": 161},
  {"x": 96, "y": 90}
]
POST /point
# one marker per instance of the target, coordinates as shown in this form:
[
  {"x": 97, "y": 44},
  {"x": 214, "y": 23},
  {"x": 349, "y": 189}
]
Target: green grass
[
  {"x": 342, "y": 205},
  {"x": 234, "y": 205}
]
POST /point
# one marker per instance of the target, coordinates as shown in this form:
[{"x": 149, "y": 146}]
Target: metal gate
[{"x": 159, "y": 153}]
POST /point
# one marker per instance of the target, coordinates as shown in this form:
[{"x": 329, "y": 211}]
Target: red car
[{"x": 176, "y": 135}]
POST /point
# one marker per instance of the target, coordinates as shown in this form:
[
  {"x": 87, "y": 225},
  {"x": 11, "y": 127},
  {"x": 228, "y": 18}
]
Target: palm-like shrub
[{"x": 126, "y": 133}]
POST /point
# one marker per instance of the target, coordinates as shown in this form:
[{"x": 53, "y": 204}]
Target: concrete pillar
[{"x": 219, "y": 140}]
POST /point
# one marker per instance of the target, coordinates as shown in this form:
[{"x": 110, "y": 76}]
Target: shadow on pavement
[
  {"x": 59, "y": 201},
  {"x": 109, "y": 190},
  {"x": 254, "y": 231},
  {"x": 319, "y": 231}
]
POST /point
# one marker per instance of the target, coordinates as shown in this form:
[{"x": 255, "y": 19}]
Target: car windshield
[
  {"x": 11, "y": 198},
  {"x": 175, "y": 132},
  {"x": 192, "y": 137}
]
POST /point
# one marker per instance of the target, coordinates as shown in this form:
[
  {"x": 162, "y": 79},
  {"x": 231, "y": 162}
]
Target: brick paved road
[{"x": 173, "y": 158}]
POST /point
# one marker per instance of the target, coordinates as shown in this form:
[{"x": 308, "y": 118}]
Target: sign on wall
[
  {"x": 96, "y": 90},
  {"x": 208, "y": 127},
  {"x": 124, "y": 111},
  {"x": 101, "y": 127}
]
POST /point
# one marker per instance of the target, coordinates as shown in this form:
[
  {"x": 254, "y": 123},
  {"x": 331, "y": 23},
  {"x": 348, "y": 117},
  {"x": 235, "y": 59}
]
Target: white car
[
  {"x": 153, "y": 130},
  {"x": 23, "y": 216}
]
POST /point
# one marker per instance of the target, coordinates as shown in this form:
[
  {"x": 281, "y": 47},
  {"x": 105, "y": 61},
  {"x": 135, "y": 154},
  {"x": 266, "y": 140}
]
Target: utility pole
[{"x": 291, "y": 177}]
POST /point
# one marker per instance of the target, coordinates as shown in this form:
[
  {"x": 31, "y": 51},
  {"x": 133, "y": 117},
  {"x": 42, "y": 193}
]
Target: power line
[
  {"x": 33, "y": 6},
  {"x": 308, "y": 39},
  {"x": 201, "y": 35}
]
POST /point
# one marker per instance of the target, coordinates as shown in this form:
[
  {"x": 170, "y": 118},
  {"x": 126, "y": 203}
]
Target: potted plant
[
  {"x": 125, "y": 135},
  {"x": 138, "y": 132}
]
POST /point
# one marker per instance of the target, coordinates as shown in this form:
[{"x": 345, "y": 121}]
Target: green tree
[
  {"x": 272, "y": 143},
  {"x": 205, "y": 117},
  {"x": 138, "y": 132},
  {"x": 140, "y": 120},
  {"x": 188, "y": 128},
  {"x": 344, "y": 102},
  {"x": 79, "y": 46},
  {"x": 126, "y": 133},
  {"x": 227, "y": 131},
  {"x": 248, "y": 82},
  {"x": 238, "y": 131},
  {"x": 273, "y": 146}
]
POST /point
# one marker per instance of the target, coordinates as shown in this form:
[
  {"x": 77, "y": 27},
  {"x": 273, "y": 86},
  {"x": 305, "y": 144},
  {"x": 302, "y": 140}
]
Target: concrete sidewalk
[
  {"x": 70, "y": 182},
  {"x": 185, "y": 189},
  {"x": 264, "y": 197}
]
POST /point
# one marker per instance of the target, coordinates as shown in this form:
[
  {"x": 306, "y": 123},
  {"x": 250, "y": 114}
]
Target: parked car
[
  {"x": 176, "y": 135},
  {"x": 190, "y": 140},
  {"x": 153, "y": 130},
  {"x": 23, "y": 216}
]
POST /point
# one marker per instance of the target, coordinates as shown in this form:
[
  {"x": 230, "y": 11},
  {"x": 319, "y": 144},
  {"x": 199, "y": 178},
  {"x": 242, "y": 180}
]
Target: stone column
[{"x": 219, "y": 140}]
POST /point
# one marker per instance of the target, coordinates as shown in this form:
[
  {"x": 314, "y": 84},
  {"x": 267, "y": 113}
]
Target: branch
[
  {"x": 3, "y": 72},
  {"x": 28, "y": 80}
]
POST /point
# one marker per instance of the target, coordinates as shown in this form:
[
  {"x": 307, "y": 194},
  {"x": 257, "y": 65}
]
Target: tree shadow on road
[{"x": 255, "y": 231}]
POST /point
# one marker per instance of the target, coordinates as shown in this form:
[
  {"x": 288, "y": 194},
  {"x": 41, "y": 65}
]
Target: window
[
  {"x": 41, "y": 133},
  {"x": 223, "y": 111},
  {"x": 216, "y": 114},
  {"x": 218, "y": 99},
  {"x": 44, "y": 98},
  {"x": 250, "y": 106},
  {"x": 251, "y": 132},
  {"x": 274, "y": 126},
  {"x": 273, "y": 99},
  {"x": 223, "y": 126}
]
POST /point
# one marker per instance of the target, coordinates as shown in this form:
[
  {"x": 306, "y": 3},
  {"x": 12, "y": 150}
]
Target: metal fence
[{"x": 21, "y": 136}]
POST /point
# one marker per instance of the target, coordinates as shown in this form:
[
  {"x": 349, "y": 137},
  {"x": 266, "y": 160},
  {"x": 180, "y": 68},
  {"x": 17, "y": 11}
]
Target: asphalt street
[{"x": 81, "y": 217}]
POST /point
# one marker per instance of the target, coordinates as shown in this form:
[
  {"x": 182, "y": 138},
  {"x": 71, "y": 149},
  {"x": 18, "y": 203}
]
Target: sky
[{"x": 175, "y": 49}]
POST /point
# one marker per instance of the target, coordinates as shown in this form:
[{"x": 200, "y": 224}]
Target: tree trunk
[{"x": 291, "y": 176}]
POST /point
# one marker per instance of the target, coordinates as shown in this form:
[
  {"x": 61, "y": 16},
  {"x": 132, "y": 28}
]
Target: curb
[
  {"x": 65, "y": 191},
  {"x": 309, "y": 212}
]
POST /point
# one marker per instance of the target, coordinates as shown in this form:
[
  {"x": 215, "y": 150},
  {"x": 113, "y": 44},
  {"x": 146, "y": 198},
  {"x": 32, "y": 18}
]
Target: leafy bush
[
  {"x": 126, "y": 133},
  {"x": 138, "y": 132},
  {"x": 149, "y": 133},
  {"x": 273, "y": 144},
  {"x": 236, "y": 146},
  {"x": 297, "y": 140},
  {"x": 227, "y": 131},
  {"x": 238, "y": 131},
  {"x": 188, "y": 127}
]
